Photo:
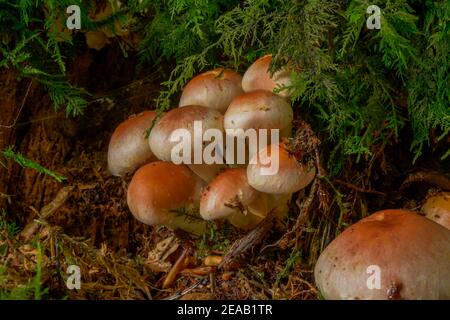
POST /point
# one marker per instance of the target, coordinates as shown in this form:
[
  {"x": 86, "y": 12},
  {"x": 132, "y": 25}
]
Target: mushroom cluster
[
  {"x": 392, "y": 254},
  {"x": 174, "y": 180}
]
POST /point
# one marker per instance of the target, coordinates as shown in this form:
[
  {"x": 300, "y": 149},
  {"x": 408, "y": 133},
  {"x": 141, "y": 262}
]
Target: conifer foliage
[{"x": 357, "y": 87}]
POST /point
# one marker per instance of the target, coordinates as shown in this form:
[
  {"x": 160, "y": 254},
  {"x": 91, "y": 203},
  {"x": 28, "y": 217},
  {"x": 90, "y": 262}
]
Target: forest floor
[{"x": 85, "y": 220}]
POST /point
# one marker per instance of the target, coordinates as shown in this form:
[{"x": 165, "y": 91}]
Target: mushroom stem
[
  {"x": 249, "y": 217},
  {"x": 193, "y": 225},
  {"x": 206, "y": 172},
  {"x": 279, "y": 204}
]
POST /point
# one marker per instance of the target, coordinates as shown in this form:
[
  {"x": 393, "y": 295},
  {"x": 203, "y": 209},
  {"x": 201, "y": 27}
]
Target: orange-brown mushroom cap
[
  {"x": 213, "y": 89},
  {"x": 274, "y": 170},
  {"x": 160, "y": 188},
  {"x": 179, "y": 119},
  {"x": 128, "y": 147},
  {"x": 257, "y": 77},
  {"x": 230, "y": 196},
  {"x": 259, "y": 110},
  {"x": 409, "y": 253},
  {"x": 437, "y": 208}
]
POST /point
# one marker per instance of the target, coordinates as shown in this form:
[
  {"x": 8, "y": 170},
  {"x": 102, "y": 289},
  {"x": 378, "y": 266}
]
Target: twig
[
  {"x": 358, "y": 189},
  {"x": 20, "y": 110},
  {"x": 286, "y": 240},
  {"x": 303, "y": 217},
  {"x": 179, "y": 265},
  {"x": 31, "y": 228},
  {"x": 212, "y": 281},
  {"x": 250, "y": 240},
  {"x": 186, "y": 291},
  {"x": 306, "y": 141}
]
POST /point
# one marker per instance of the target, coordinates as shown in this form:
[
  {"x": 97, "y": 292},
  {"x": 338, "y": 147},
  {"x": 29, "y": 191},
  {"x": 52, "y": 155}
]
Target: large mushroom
[
  {"x": 213, "y": 89},
  {"x": 392, "y": 254},
  {"x": 128, "y": 148},
  {"x": 161, "y": 193},
  {"x": 182, "y": 130},
  {"x": 437, "y": 208},
  {"x": 258, "y": 77},
  {"x": 230, "y": 196}
]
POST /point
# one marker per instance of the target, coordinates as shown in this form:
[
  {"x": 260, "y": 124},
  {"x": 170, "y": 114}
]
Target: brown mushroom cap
[
  {"x": 412, "y": 253},
  {"x": 291, "y": 176},
  {"x": 213, "y": 89},
  {"x": 230, "y": 196},
  {"x": 182, "y": 118},
  {"x": 128, "y": 148},
  {"x": 257, "y": 77},
  {"x": 158, "y": 189},
  {"x": 437, "y": 208},
  {"x": 259, "y": 110}
]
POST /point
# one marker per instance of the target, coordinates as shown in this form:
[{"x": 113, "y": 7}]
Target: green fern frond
[{"x": 24, "y": 162}]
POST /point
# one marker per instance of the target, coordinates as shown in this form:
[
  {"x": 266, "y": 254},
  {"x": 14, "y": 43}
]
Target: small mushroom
[
  {"x": 160, "y": 191},
  {"x": 287, "y": 176},
  {"x": 392, "y": 254},
  {"x": 128, "y": 148},
  {"x": 257, "y": 77},
  {"x": 250, "y": 112},
  {"x": 183, "y": 119},
  {"x": 276, "y": 172},
  {"x": 213, "y": 89},
  {"x": 437, "y": 208},
  {"x": 194, "y": 121},
  {"x": 259, "y": 110},
  {"x": 230, "y": 196}
]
